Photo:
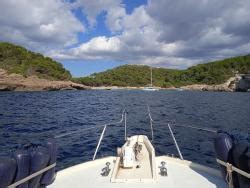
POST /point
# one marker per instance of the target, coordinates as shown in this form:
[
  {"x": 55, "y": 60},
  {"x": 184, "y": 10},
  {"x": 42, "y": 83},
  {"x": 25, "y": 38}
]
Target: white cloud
[
  {"x": 169, "y": 33},
  {"x": 38, "y": 23},
  {"x": 114, "y": 10},
  {"x": 165, "y": 33},
  {"x": 101, "y": 44},
  {"x": 115, "y": 18},
  {"x": 137, "y": 43},
  {"x": 95, "y": 49}
]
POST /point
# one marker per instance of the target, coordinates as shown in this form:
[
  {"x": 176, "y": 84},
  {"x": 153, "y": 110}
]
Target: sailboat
[{"x": 151, "y": 87}]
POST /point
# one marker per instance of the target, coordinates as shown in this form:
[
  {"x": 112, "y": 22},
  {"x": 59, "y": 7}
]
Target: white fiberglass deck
[
  {"x": 181, "y": 174},
  {"x": 143, "y": 167}
]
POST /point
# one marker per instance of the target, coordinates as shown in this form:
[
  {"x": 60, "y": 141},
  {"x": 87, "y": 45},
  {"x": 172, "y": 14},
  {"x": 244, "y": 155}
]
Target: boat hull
[{"x": 150, "y": 89}]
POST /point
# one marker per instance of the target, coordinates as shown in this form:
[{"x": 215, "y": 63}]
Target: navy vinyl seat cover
[
  {"x": 223, "y": 144},
  {"x": 237, "y": 154},
  {"x": 49, "y": 176},
  {"x": 26, "y": 161},
  {"x": 7, "y": 171},
  {"x": 241, "y": 160},
  {"x": 22, "y": 158},
  {"x": 39, "y": 160}
]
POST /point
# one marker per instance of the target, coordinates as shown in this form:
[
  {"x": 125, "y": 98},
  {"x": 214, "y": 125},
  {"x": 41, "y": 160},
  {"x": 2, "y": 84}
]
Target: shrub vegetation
[
  {"x": 16, "y": 59},
  {"x": 216, "y": 72}
]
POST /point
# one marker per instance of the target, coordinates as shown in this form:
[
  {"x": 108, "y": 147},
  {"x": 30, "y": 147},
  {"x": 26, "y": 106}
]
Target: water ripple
[{"x": 27, "y": 117}]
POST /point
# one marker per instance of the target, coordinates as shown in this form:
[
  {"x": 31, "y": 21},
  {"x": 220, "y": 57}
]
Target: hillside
[
  {"x": 212, "y": 73},
  {"x": 16, "y": 59}
]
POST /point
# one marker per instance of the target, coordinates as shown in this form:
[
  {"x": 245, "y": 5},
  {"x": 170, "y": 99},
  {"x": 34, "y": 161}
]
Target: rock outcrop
[
  {"x": 229, "y": 85},
  {"x": 16, "y": 82}
]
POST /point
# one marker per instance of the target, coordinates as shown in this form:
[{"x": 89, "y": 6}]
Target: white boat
[
  {"x": 136, "y": 166},
  {"x": 151, "y": 87},
  {"x": 179, "y": 89}
]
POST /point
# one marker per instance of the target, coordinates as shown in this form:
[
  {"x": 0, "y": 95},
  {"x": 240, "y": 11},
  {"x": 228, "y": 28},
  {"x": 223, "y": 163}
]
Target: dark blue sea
[{"x": 32, "y": 117}]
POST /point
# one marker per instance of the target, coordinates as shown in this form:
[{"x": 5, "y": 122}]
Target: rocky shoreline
[
  {"x": 195, "y": 87},
  {"x": 16, "y": 82},
  {"x": 228, "y": 86}
]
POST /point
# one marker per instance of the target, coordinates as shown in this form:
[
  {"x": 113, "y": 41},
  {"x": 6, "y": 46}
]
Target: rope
[
  {"x": 176, "y": 145},
  {"x": 198, "y": 128},
  {"x": 94, "y": 127},
  {"x": 151, "y": 123},
  {"x": 31, "y": 176},
  {"x": 233, "y": 168},
  {"x": 229, "y": 176}
]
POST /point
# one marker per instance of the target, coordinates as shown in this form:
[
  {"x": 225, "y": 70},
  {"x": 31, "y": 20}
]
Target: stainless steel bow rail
[
  {"x": 67, "y": 134},
  {"x": 99, "y": 142},
  {"x": 93, "y": 127},
  {"x": 171, "y": 132},
  {"x": 123, "y": 118},
  {"x": 229, "y": 167},
  {"x": 151, "y": 123},
  {"x": 176, "y": 144},
  {"x": 197, "y": 128},
  {"x": 125, "y": 125}
]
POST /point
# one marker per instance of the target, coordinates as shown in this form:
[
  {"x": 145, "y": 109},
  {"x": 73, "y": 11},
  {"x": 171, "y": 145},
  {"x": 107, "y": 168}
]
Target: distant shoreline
[
  {"x": 194, "y": 87},
  {"x": 228, "y": 86},
  {"x": 23, "y": 70},
  {"x": 16, "y": 82}
]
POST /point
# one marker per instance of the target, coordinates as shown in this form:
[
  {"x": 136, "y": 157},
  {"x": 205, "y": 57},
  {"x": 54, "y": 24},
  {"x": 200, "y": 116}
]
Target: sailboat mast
[{"x": 151, "y": 77}]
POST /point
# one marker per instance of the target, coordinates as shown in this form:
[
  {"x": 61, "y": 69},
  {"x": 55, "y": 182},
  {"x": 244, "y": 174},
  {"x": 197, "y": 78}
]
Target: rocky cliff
[{"x": 16, "y": 82}]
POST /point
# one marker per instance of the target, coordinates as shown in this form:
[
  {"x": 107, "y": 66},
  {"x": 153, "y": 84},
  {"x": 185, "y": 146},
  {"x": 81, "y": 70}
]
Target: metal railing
[
  {"x": 176, "y": 144},
  {"x": 171, "y": 132},
  {"x": 26, "y": 179},
  {"x": 151, "y": 123},
  {"x": 124, "y": 118},
  {"x": 99, "y": 142}
]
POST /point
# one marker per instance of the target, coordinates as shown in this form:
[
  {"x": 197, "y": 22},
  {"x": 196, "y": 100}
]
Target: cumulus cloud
[
  {"x": 114, "y": 10},
  {"x": 170, "y": 33},
  {"x": 34, "y": 24},
  {"x": 203, "y": 26},
  {"x": 165, "y": 33}
]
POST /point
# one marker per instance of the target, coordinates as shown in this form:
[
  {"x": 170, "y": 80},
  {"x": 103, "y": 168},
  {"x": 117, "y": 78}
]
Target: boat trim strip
[
  {"x": 243, "y": 173},
  {"x": 32, "y": 176}
]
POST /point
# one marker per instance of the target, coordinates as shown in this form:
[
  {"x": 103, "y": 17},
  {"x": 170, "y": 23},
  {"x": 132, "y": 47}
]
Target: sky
[{"x": 89, "y": 36}]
